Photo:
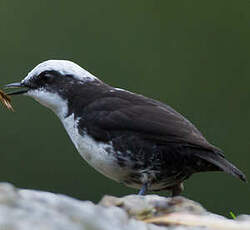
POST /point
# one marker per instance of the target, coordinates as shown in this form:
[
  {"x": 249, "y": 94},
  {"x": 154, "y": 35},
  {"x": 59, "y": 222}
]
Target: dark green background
[{"x": 191, "y": 54}]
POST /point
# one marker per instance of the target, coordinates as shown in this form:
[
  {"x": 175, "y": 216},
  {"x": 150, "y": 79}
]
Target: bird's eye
[{"x": 46, "y": 77}]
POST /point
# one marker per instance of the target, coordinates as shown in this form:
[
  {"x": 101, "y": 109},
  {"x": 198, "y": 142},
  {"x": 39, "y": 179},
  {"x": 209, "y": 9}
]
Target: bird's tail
[{"x": 218, "y": 160}]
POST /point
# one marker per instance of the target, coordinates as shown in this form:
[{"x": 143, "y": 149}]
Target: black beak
[{"x": 16, "y": 85}]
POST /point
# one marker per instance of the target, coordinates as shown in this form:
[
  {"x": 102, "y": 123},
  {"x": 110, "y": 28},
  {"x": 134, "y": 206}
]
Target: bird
[{"x": 132, "y": 139}]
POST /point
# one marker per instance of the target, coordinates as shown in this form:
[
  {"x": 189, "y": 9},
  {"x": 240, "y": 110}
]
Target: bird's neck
[
  {"x": 52, "y": 101},
  {"x": 82, "y": 97}
]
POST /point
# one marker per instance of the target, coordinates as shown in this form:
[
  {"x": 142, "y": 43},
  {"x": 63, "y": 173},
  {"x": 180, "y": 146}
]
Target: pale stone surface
[{"x": 28, "y": 210}]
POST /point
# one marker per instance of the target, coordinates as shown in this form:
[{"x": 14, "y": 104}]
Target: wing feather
[{"x": 125, "y": 111}]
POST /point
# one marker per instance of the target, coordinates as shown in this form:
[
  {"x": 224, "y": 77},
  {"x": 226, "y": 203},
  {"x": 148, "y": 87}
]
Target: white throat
[{"x": 51, "y": 100}]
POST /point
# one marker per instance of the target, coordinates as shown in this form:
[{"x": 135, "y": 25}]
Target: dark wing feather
[{"x": 125, "y": 111}]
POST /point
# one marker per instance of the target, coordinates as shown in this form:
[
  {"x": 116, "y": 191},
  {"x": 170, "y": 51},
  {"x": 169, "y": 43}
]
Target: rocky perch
[{"x": 28, "y": 210}]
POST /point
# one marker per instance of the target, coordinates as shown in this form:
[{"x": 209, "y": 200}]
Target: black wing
[
  {"x": 125, "y": 111},
  {"x": 122, "y": 111}
]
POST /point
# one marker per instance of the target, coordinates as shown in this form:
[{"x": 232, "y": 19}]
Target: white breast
[{"x": 94, "y": 152}]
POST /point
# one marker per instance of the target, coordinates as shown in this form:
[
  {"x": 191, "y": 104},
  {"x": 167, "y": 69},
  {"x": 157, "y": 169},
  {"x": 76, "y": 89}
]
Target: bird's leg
[
  {"x": 144, "y": 189},
  {"x": 177, "y": 189}
]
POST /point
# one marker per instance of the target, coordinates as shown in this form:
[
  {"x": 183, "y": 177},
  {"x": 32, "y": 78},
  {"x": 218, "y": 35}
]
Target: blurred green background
[{"x": 191, "y": 54}]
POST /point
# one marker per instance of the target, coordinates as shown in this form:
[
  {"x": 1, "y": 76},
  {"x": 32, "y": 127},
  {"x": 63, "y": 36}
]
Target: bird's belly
[{"x": 98, "y": 154}]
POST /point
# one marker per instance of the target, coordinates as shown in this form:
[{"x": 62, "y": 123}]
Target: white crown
[{"x": 64, "y": 67}]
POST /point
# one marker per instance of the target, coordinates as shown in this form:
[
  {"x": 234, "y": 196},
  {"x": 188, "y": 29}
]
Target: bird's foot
[
  {"x": 177, "y": 189},
  {"x": 143, "y": 190}
]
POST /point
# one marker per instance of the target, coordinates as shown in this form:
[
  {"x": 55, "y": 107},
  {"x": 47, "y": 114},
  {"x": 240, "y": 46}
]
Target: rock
[
  {"x": 28, "y": 209},
  {"x": 142, "y": 207}
]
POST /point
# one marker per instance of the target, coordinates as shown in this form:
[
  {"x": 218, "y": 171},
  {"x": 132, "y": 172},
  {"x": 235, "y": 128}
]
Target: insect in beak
[{"x": 6, "y": 101}]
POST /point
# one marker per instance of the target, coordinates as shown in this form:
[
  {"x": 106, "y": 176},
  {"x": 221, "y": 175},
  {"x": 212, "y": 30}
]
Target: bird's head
[{"x": 52, "y": 83}]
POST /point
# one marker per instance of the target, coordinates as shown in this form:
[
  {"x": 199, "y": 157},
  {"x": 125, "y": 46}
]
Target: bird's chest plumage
[{"x": 98, "y": 154}]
